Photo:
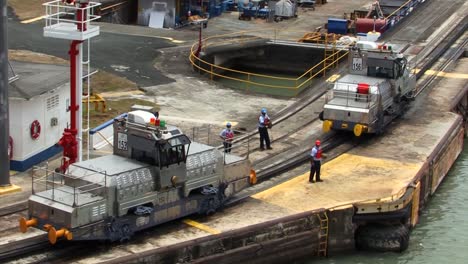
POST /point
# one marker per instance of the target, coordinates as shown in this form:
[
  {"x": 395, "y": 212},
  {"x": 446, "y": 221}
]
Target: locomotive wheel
[
  {"x": 211, "y": 207},
  {"x": 126, "y": 233},
  {"x": 326, "y": 126}
]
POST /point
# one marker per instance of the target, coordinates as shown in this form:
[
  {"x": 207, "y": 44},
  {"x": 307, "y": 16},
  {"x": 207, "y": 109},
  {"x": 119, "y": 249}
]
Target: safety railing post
[
  {"x": 105, "y": 184},
  {"x": 248, "y": 82},
  {"x": 74, "y": 194},
  {"x": 53, "y": 185},
  {"x": 211, "y": 72},
  {"x": 32, "y": 179},
  {"x": 248, "y": 147}
]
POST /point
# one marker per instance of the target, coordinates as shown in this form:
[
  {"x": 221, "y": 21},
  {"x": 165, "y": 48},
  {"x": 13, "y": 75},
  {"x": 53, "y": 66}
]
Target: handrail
[{"x": 296, "y": 83}]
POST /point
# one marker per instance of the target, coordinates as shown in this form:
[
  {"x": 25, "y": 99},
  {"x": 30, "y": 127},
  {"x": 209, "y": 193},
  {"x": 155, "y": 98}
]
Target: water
[{"x": 441, "y": 235}]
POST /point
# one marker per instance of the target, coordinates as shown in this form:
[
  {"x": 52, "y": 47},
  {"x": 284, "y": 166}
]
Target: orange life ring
[
  {"x": 35, "y": 129},
  {"x": 10, "y": 148}
]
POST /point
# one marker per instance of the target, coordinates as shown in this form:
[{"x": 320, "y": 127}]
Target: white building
[{"x": 38, "y": 105}]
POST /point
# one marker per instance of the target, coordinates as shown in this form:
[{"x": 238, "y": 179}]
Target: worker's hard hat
[
  {"x": 228, "y": 124},
  {"x": 317, "y": 142},
  {"x": 264, "y": 110}
]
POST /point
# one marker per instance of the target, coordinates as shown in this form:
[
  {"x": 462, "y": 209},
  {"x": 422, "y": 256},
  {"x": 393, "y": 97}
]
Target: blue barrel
[{"x": 337, "y": 26}]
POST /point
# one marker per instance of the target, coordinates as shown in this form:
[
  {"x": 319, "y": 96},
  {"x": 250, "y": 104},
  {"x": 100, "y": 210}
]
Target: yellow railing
[{"x": 249, "y": 79}]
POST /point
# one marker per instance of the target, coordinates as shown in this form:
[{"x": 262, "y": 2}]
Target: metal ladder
[
  {"x": 323, "y": 234},
  {"x": 330, "y": 50}
]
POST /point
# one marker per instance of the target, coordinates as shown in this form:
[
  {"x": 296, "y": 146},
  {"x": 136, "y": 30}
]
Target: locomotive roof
[
  {"x": 356, "y": 78},
  {"x": 109, "y": 164}
]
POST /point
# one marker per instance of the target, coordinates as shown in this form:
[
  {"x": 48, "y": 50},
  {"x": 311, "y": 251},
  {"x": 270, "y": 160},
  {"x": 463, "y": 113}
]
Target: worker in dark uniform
[
  {"x": 315, "y": 162},
  {"x": 227, "y": 135},
  {"x": 264, "y": 123}
]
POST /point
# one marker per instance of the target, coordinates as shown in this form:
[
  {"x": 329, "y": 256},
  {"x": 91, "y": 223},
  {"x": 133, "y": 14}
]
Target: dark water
[{"x": 441, "y": 235}]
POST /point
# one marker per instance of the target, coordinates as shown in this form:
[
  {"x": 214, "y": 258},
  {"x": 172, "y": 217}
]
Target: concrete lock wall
[
  {"x": 296, "y": 235},
  {"x": 341, "y": 230},
  {"x": 439, "y": 162}
]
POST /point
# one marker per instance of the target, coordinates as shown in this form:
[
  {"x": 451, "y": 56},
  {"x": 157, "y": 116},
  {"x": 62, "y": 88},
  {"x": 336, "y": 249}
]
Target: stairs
[{"x": 330, "y": 57}]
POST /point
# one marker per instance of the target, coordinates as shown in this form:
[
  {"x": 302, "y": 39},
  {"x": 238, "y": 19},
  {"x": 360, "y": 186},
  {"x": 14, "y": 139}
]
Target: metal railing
[
  {"x": 58, "y": 12},
  {"x": 249, "y": 79},
  {"x": 58, "y": 187},
  {"x": 352, "y": 99},
  {"x": 209, "y": 135}
]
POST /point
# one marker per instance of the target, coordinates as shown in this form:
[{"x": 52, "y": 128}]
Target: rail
[{"x": 250, "y": 80}]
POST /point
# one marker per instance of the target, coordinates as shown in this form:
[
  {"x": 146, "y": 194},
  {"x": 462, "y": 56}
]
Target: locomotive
[
  {"x": 375, "y": 91},
  {"x": 154, "y": 175}
]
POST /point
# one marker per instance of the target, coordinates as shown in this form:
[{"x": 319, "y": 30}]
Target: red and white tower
[{"x": 70, "y": 19}]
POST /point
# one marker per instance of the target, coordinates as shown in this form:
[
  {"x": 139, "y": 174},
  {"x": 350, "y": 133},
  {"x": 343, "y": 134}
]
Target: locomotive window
[
  {"x": 172, "y": 155},
  {"x": 380, "y": 68},
  {"x": 144, "y": 156},
  {"x": 173, "y": 151}
]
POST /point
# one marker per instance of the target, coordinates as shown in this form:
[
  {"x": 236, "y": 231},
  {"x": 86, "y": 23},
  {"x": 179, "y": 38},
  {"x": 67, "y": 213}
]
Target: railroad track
[{"x": 293, "y": 158}]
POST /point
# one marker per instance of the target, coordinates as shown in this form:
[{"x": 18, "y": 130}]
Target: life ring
[
  {"x": 35, "y": 129},
  {"x": 10, "y": 148}
]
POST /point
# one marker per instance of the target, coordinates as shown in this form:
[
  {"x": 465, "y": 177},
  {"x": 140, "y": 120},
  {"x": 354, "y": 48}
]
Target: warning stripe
[{"x": 201, "y": 226}]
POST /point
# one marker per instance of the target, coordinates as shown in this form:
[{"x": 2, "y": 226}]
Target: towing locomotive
[
  {"x": 155, "y": 175},
  {"x": 375, "y": 91}
]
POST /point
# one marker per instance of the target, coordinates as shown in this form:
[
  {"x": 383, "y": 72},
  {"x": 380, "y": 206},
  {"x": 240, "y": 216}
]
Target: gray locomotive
[
  {"x": 155, "y": 175},
  {"x": 374, "y": 92}
]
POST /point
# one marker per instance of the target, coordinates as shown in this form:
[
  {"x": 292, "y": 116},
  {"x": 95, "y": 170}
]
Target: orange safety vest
[{"x": 319, "y": 154}]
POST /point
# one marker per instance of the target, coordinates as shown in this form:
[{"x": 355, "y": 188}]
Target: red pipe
[
  {"x": 81, "y": 15},
  {"x": 73, "y": 103}
]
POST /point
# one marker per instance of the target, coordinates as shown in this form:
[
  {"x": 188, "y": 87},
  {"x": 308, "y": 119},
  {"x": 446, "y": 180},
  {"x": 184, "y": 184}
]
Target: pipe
[
  {"x": 74, "y": 107},
  {"x": 4, "y": 120}
]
